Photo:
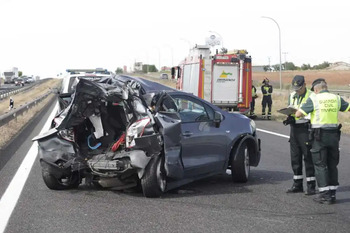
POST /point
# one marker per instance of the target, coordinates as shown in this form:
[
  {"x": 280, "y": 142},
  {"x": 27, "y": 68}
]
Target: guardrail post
[{"x": 15, "y": 116}]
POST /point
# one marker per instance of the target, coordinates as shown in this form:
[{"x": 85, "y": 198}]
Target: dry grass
[
  {"x": 335, "y": 79},
  {"x": 14, "y": 127}
]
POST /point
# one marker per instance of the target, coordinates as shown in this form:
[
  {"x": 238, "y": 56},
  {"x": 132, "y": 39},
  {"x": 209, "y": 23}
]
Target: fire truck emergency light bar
[{"x": 95, "y": 71}]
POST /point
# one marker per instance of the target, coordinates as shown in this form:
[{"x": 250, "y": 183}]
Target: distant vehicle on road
[
  {"x": 19, "y": 82},
  {"x": 11, "y": 75},
  {"x": 164, "y": 76},
  {"x": 30, "y": 80},
  {"x": 25, "y": 79}
]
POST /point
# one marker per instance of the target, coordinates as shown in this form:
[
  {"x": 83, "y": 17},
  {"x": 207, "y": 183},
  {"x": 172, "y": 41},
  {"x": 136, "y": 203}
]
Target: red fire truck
[{"x": 224, "y": 79}]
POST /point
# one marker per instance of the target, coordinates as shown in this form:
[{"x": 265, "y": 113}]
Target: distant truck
[
  {"x": 223, "y": 79},
  {"x": 11, "y": 75}
]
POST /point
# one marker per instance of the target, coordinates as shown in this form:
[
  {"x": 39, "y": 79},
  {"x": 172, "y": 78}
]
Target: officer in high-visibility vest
[
  {"x": 324, "y": 108},
  {"x": 252, "y": 104},
  {"x": 266, "y": 90},
  {"x": 299, "y": 140}
]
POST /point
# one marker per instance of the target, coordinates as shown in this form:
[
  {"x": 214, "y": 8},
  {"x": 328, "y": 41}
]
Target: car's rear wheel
[
  {"x": 62, "y": 183},
  {"x": 240, "y": 166},
  {"x": 153, "y": 181}
]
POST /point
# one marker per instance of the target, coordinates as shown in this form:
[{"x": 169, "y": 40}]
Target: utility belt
[
  {"x": 301, "y": 125},
  {"x": 315, "y": 133}
]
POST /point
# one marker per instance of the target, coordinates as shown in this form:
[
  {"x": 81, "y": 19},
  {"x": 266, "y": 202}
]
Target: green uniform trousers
[
  {"x": 300, "y": 150},
  {"x": 325, "y": 155}
]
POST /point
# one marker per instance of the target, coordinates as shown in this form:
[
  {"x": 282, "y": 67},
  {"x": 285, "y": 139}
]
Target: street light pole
[
  {"x": 279, "y": 36},
  {"x": 285, "y": 60}
]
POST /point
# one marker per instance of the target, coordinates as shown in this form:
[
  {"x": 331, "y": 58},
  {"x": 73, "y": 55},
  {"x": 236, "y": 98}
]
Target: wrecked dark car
[{"x": 119, "y": 133}]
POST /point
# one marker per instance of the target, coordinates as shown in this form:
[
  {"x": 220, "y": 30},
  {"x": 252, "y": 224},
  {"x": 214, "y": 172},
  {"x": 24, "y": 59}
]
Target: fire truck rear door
[{"x": 225, "y": 84}]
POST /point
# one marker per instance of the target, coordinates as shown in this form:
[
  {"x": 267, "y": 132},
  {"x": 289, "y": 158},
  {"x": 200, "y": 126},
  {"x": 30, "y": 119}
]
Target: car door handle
[{"x": 187, "y": 134}]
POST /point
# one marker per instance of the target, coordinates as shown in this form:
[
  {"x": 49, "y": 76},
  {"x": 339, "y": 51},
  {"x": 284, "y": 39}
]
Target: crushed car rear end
[{"x": 107, "y": 135}]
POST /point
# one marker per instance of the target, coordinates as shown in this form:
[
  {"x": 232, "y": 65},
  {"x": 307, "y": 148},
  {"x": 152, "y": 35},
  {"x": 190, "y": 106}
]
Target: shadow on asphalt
[
  {"x": 223, "y": 184},
  {"x": 219, "y": 184}
]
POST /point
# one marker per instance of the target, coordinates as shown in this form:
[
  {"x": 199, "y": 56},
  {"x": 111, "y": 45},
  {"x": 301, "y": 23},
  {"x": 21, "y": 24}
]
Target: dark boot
[
  {"x": 297, "y": 187},
  {"x": 324, "y": 198},
  {"x": 333, "y": 196},
  {"x": 310, "y": 188}
]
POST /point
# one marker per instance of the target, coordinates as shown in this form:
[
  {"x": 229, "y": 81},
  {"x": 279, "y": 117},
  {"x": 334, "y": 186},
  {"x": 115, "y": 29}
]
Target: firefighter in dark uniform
[
  {"x": 299, "y": 140},
  {"x": 252, "y": 104},
  {"x": 266, "y": 90},
  {"x": 324, "y": 108}
]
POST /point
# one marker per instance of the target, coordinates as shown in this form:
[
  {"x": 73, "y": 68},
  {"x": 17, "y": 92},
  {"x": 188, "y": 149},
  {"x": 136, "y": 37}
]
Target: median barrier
[{"x": 12, "y": 114}]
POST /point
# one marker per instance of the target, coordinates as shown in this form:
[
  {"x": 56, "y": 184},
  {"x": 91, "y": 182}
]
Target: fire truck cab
[{"x": 224, "y": 79}]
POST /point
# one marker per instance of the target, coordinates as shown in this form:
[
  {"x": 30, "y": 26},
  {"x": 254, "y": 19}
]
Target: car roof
[
  {"x": 150, "y": 88},
  {"x": 147, "y": 85}
]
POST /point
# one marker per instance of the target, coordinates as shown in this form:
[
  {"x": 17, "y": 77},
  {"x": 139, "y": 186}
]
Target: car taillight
[{"x": 67, "y": 134}]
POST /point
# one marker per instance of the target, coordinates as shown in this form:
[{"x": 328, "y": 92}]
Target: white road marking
[
  {"x": 9, "y": 200},
  {"x": 273, "y": 133}
]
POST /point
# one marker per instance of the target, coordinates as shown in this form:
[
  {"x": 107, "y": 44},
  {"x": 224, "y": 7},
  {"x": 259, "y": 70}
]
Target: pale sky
[{"x": 46, "y": 37}]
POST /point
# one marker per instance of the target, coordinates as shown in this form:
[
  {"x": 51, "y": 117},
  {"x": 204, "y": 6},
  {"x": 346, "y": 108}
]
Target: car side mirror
[{"x": 217, "y": 118}]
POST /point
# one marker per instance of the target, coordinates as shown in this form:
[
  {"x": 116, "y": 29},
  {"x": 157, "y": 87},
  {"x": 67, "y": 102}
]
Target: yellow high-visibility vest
[
  {"x": 294, "y": 102},
  {"x": 326, "y": 108}
]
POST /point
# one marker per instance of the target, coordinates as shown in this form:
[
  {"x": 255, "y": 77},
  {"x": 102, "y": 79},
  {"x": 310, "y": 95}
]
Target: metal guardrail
[
  {"x": 6, "y": 118},
  {"x": 345, "y": 93},
  {"x": 12, "y": 92},
  {"x": 6, "y": 94}
]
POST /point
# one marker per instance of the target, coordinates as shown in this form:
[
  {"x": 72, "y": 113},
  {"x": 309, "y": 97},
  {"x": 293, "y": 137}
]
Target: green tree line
[{"x": 291, "y": 66}]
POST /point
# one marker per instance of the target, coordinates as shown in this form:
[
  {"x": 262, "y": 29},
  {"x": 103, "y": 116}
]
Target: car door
[{"x": 203, "y": 146}]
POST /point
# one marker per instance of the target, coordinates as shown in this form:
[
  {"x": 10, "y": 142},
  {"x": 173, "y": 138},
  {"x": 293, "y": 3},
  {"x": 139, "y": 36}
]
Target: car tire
[
  {"x": 240, "y": 167},
  {"x": 153, "y": 181},
  {"x": 62, "y": 183}
]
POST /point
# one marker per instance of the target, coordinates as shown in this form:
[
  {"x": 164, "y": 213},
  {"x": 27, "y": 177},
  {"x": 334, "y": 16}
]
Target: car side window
[{"x": 192, "y": 110}]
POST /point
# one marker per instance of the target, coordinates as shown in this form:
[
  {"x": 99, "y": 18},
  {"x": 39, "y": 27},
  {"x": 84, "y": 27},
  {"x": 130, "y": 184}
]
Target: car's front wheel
[
  {"x": 240, "y": 166},
  {"x": 154, "y": 180},
  {"x": 62, "y": 183}
]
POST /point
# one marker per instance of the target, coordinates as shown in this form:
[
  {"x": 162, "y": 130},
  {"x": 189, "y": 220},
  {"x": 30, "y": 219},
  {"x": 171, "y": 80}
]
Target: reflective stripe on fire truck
[{"x": 240, "y": 97}]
